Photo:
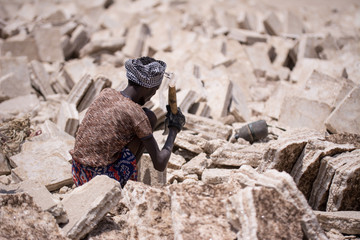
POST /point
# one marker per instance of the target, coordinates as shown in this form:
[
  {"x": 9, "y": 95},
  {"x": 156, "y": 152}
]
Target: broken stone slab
[
  {"x": 94, "y": 90},
  {"x": 236, "y": 155},
  {"x": 293, "y": 24},
  {"x": 280, "y": 50},
  {"x": 79, "y": 38},
  {"x": 283, "y": 153},
  {"x": 14, "y": 77},
  {"x": 214, "y": 144},
  {"x": 78, "y": 92},
  {"x": 258, "y": 56},
  {"x": 75, "y": 69},
  {"x": 148, "y": 174},
  {"x": 87, "y": 205},
  {"x": 238, "y": 105},
  {"x": 41, "y": 79},
  {"x": 344, "y": 138},
  {"x": 196, "y": 165},
  {"x": 18, "y": 48},
  {"x": 135, "y": 40},
  {"x": 68, "y": 118},
  {"x": 176, "y": 161},
  {"x": 109, "y": 45},
  {"x": 246, "y": 36},
  {"x": 347, "y": 222},
  {"x": 207, "y": 127},
  {"x": 326, "y": 89},
  {"x": 273, "y": 25},
  {"x": 200, "y": 109},
  {"x": 196, "y": 219},
  {"x": 4, "y": 165},
  {"x": 19, "y": 106},
  {"x": 284, "y": 184},
  {"x": 48, "y": 44},
  {"x": 305, "y": 47},
  {"x": 216, "y": 175},
  {"x": 345, "y": 117},
  {"x": 41, "y": 197},
  {"x": 190, "y": 141},
  {"x": 19, "y": 215},
  {"x": 307, "y": 165},
  {"x": 300, "y": 112},
  {"x": 343, "y": 192},
  {"x": 263, "y": 213},
  {"x": 186, "y": 99},
  {"x": 328, "y": 168}
]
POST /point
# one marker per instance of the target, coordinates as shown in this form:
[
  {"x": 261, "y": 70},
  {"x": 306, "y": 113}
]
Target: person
[{"x": 116, "y": 128}]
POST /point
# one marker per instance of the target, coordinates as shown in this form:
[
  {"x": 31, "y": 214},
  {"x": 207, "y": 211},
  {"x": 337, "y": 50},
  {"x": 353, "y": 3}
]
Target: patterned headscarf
[{"x": 145, "y": 71}]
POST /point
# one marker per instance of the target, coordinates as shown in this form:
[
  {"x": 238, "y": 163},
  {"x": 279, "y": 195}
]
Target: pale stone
[
  {"x": 75, "y": 69},
  {"x": 281, "y": 47},
  {"x": 4, "y": 165},
  {"x": 216, "y": 175},
  {"x": 298, "y": 112},
  {"x": 273, "y": 25},
  {"x": 68, "y": 118},
  {"x": 41, "y": 79},
  {"x": 214, "y": 144},
  {"x": 19, "y": 48},
  {"x": 135, "y": 39},
  {"x": 347, "y": 222},
  {"x": 19, "y": 215},
  {"x": 196, "y": 165},
  {"x": 207, "y": 127},
  {"x": 14, "y": 77},
  {"x": 246, "y": 36},
  {"x": 238, "y": 105},
  {"x": 345, "y": 117},
  {"x": 328, "y": 168},
  {"x": 187, "y": 99},
  {"x": 189, "y": 141},
  {"x": 326, "y": 89},
  {"x": 88, "y": 204},
  {"x": 236, "y": 155},
  {"x": 79, "y": 90},
  {"x": 48, "y": 44},
  {"x": 109, "y": 45},
  {"x": 307, "y": 165},
  {"x": 259, "y": 58},
  {"x": 148, "y": 174},
  {"x": 283, "y": 153},
  {"x": 78, "y": 40},
  {"x": 176, "y": 161},
  {"x": 293, "y": 24},
  {"x": 19, "y": 106}
]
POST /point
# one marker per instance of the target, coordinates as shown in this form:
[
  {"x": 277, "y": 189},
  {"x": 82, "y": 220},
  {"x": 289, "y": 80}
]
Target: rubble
[{"x": 294, "y": 67}]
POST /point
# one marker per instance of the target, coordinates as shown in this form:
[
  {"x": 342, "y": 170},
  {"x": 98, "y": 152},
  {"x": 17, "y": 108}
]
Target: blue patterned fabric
[{"x": 122, "y": 170}]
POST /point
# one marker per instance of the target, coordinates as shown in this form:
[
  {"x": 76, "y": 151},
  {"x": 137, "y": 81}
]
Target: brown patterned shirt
[{"x": 110, "y": 123}]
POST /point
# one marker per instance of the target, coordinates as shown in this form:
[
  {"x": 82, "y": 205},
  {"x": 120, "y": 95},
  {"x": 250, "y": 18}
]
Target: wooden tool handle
[{"x": 172, "y": 100}]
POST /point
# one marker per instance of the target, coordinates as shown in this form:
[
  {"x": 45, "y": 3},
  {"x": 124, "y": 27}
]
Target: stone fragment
[
  {"x": 18, "y": 48},
  {"x": 347, "y": 222},
  {"x": 214, "y": 144},
  {"x": 78, "y": 40},
  {"x": 263, "y": 213},
  {"x": 186, "y": 99},
  {"x": 75, "y": 69},
  {"x": 280, "y": 50},
  {"x": 283, "y": 153},
  {"x": 4, "y": 165},
  {"x": 99, "y": 84},
  {"x": 193, "y": 209},
  {"x": 176, "y": 161},
  {"x": 238, "y": 105},
  {"x": 196, "y": 165},
  {"x": 259, "y": 59},
  {"x": 246, "y": 36},
  {"x": 273, "y": 25},
  {"x": 344, "y": 138},
  {"x": 326, "y": 89},
  {"x": 216, "y": 175},
  {"x": 307, "y": 165},
  {"x": 135, "y": 39},
  {"x": 207, "y": 127},
  {"x": 236, "y": 155},
  {"x": 41, "y": 79},
  {"x": 294, "y": 25},
  {"x": 19, "y": 106},
  {"x": 148, "y": 174},
  {"x": 190, "y": 141},
  {"x": 109, "y": 45},
  {"x": 78, "y": 92},
  {"x": 68, "y": 118},
  {"x": 200, "y": 109},
  {"x": 88, "y": 204},
  {"x": 43, "y": 198},
  {"x": 343, "y": 192},
  {"x": 345, "y": 117},
  {"x": 19, "y": 215},
  {"x": 298, "y": 112},
  {"x": 329, "y": 167},
  {"x": 48, "y": 44},
  {"x": 14, "y": 77}
]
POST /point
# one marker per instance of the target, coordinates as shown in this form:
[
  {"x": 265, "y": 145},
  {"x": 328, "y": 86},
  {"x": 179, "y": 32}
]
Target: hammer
[{"x": 172, "y": 93}]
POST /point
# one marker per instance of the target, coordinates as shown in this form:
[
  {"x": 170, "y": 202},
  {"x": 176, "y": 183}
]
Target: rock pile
[{"x": 295, "y": 66}]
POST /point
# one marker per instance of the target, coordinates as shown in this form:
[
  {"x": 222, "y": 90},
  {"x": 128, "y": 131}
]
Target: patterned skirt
[{"x": 122, "y": 170}]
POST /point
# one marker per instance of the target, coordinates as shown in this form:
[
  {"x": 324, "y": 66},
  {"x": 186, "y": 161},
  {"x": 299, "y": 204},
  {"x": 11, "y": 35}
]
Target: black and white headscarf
[{"x": 145, "y": 71}]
